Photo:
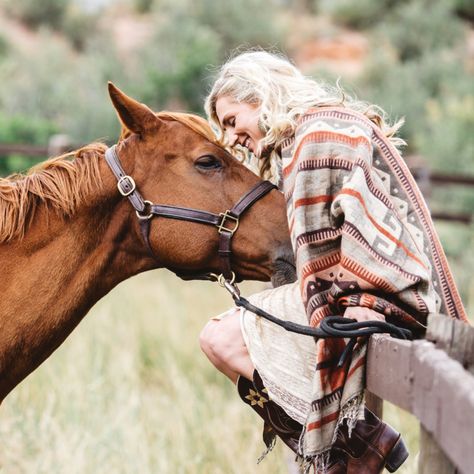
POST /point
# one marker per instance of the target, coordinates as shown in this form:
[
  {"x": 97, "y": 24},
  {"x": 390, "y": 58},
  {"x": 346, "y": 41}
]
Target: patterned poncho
[{"x": 362, "y": 236}]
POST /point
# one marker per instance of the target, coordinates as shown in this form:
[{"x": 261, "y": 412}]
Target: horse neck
[{"x": 55, "y": 274}]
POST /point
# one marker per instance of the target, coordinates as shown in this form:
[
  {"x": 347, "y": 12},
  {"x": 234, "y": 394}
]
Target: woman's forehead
[
  {"x": 226, "y": 105},
  {"x": 223, "y": 105}
]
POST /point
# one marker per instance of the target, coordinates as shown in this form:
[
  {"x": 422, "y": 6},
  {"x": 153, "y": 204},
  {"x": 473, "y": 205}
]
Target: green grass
[
  {"x": 408, "y": 426},
  {"x": 131, "y": 392}
]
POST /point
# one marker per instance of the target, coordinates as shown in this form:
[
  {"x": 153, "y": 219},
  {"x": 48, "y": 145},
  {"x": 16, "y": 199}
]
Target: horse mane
[{"x": 62, "y": 183}]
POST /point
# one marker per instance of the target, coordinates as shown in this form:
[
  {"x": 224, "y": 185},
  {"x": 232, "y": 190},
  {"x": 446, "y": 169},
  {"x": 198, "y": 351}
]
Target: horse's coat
[{"x": 68, "y": 236}]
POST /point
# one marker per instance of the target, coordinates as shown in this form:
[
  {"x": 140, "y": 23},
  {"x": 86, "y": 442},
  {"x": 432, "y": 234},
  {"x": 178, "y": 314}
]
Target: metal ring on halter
[
  {"x": 147, "y": 216},
  {"x": 229, "y": 285},
  {"x": 221, "y": 278}
]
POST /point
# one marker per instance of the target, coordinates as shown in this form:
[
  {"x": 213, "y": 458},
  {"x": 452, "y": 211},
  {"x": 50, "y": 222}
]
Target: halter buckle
[
  {"x": 221, "y": 228},
  {"x": 126, "y": 185},
  {"x": 141, "y": 215}
]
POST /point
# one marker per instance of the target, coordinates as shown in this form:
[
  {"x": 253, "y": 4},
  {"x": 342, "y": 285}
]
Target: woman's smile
[{"x": 239, "y": 120}]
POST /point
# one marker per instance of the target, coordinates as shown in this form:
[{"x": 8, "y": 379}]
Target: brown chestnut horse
[{"x": 68, "y": 236}]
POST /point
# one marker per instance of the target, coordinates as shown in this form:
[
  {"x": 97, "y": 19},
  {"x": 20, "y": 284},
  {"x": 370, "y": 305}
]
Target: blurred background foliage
[
  {"x": 56, "y": 56},
  {"x": 414, "y": 58}
]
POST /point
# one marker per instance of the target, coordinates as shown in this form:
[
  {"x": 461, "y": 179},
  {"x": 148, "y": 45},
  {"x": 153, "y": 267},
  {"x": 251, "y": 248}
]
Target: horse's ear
[{"x": 137, "y": 117}]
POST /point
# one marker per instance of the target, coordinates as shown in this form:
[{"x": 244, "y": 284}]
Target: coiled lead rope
[{"x": 330, "y": 326}]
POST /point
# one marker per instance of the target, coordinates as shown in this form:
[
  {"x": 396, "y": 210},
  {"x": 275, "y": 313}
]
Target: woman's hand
[{"x": 363, "y": 314}]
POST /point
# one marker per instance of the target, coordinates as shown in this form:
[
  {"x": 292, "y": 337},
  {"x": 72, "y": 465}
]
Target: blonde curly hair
[{"x": 283, "y": 94}]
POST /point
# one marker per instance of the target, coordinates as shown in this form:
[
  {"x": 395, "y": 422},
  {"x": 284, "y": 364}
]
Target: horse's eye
[{"x": 208, "y": 162}]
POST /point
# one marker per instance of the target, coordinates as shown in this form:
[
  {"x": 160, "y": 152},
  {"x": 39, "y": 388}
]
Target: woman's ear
[{"x": 136, "y": 117}]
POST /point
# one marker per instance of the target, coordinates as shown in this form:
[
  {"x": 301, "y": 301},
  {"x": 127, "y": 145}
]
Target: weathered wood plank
[
  {"x": 374, "y": 404},
  {"x": 455, "y": 430},
  {"x": 440, "y": 331},
  {"x": 425, "y": 363},
  {"x": 453, "y": 336},
  {"x": 435, "y": 388},
  {"x": 462, "y": 347},
  {"x": 389, "y": 371}
]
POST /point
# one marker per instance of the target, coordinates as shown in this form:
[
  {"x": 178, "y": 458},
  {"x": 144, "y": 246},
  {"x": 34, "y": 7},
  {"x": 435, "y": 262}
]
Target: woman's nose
[{"x": 233, "y": 138}]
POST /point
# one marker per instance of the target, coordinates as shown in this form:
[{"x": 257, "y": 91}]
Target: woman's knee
[
  {"x": 207, "y": 338},
  {"x": 220, "y": 339}
]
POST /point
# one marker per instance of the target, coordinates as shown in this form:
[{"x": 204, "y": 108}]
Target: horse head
[{"x": 175, "y": 160}]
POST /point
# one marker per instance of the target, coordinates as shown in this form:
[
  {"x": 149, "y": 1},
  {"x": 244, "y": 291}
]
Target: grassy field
[{"x": 130, "y": 392}]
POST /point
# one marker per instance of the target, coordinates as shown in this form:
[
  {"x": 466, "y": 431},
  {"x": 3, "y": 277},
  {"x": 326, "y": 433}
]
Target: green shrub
[
  {"x": 24, "y": 130},
  {"x": 420, "y": 26},
  {"x": 465, "y": 8},
  {"x": 4, "y": 47},
  {"x": 247, "y": 22},
  {"x": 175, "y": 67},
  {"x": 35, "y": 13},
  {"x": 359, "y": 15},
  {"x": 79, "y": 26},
  {"x": 408, "y": 89},
  {"x": 68, "y": 90},
  {"x": 447, "y": 137},
  {"x": 143, "y": 6}
]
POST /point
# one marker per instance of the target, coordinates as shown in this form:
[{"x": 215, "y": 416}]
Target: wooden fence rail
[
  {"x": 434, "y": 380},
  {"x": 57, "y": 145}
]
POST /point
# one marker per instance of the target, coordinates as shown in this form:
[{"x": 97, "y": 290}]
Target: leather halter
[{"x": 226, "y": 222}]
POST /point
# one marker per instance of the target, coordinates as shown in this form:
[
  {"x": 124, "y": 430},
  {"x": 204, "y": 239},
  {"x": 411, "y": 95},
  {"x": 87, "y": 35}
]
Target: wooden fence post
[
  {"x": 374, "y": 404},
  {"x": 432, "y": 459}
]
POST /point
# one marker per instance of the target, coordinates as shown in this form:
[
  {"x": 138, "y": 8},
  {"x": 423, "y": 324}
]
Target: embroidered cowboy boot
[
  {"x": 277, "y": 422},
  {"x": 372, "y": 446}
]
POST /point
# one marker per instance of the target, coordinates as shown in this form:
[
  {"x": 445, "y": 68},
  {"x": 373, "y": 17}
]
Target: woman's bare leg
[{"x": 222, "y": 342}]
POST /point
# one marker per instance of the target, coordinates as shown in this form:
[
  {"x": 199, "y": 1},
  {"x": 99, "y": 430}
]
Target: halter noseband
[{"x": 226, "y": 222}]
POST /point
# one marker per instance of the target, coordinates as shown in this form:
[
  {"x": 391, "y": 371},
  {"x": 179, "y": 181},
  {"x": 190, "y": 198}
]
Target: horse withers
[{"x": 68, "y": 236}]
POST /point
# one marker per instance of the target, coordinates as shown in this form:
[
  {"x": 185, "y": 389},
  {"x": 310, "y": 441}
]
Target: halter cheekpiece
[{"x": 227, "y": 222}]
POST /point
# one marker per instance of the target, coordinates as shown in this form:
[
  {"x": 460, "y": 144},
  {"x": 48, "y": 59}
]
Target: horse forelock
[
  {"x": 191, "y": 121},
  {"x": 194, "y": 122},
  {"x": 62, "y": 183}
]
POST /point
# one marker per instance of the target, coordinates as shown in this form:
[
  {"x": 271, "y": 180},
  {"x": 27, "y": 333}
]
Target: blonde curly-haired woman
[{"x": 364, "y": 246}]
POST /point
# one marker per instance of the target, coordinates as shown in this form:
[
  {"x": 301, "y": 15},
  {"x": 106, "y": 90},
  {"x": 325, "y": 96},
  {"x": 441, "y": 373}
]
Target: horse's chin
[{"x": 284, "y": 272}]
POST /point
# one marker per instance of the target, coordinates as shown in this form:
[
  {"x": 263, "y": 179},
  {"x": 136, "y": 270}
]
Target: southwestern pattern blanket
[{"x": 362, "y": 236}]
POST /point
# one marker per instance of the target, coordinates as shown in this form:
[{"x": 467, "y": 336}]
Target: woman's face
[{"x": 239, "y": 121}]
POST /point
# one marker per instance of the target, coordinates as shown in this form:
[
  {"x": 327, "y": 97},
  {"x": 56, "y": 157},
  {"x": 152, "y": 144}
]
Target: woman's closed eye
[{"x": 229, "y": 122}]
